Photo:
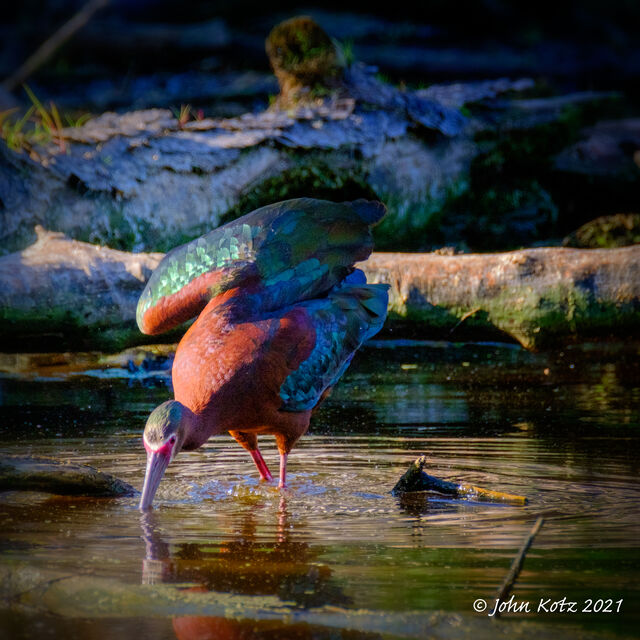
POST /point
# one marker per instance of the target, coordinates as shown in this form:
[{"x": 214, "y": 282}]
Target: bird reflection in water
[{"x": 247, "y": 565}]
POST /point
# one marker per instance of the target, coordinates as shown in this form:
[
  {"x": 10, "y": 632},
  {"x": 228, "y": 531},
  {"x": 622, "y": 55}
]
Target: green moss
[
  {"x": 414, "y": 226},
  {"x": 541, "y": 319},
  {"x": 606, "y": 232},
  {"x": 508, "y": 203},
  {"x": 114, "y": 228},
  {"x": 58, "y": 329},
  {"x": 515, "y": 197},
  {"x": 111, "y": 226},
  {"x": 302, "y": 55},
  {"x": 311, "y": 176}
]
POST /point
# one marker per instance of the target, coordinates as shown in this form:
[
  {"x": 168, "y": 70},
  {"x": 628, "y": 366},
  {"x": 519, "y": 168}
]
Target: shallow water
[{"x": 336, "y": 555}]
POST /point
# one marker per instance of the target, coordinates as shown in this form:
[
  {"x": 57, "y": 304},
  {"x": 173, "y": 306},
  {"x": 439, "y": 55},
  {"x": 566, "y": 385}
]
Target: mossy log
[
  {"x": 605, "y": 232},
  {"x": 537, "y": 297},
  {"x": 26, "y": 473},
  {"x": 147, "y": 181},
  {"x": 64, "y": 294}
]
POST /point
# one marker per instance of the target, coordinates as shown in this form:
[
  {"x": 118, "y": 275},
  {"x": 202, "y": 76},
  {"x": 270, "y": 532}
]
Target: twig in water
[
  {"x": 416, "y": 479},
  {"x": 516, "y": 565}
]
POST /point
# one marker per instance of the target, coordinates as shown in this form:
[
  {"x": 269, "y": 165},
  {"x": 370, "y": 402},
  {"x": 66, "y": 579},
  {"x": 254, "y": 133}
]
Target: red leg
[
  {"x": 263, "y": 470},
  {"x": 283, "y": 470}
]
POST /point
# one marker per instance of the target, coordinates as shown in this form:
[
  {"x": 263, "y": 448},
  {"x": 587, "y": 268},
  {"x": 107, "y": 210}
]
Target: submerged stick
[
  {"x": 416, "y": 479},
  {"x": 516, "y": 565}
]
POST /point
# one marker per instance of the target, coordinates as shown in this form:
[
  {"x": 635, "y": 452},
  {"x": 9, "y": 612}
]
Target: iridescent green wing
[
  {"x": 343, "y": 320},
  {"x": 278, "y": 255}
]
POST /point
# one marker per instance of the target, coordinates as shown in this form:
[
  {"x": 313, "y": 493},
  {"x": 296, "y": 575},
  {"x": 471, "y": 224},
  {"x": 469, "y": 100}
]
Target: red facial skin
[{"x": 164, "y": 450}]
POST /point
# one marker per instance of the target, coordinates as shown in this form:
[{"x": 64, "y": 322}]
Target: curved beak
[{"x": 157, "y": 463}]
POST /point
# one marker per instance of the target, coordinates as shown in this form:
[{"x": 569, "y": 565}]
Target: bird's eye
[{"x": 172, "y": 439}]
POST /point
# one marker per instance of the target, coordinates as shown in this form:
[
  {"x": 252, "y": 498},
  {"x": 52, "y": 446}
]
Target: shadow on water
[{"x": 224, "y": 556}]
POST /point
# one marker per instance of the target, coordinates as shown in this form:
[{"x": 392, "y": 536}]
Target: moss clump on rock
[
  {"x": 303, "y": 58},
  {"x": 606, "y": 232}
]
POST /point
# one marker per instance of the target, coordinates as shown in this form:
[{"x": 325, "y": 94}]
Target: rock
[
  {"x": 26, "y": 473},
  {"x": 606, "y": 232}
]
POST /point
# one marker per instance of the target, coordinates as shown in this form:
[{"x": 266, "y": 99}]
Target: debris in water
[{"x": 416, "y": 479}]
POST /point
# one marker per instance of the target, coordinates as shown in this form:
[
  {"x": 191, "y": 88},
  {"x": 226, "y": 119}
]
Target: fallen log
[
  {"x": 27, "y": 473},
  {"x": 60, "y": 293},
  {"x": 537, "y": 297},
  {"x": 64, "y": 294}
]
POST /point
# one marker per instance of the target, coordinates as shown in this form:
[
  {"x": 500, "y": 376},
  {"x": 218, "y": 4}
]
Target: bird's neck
[{"x": 199, "y": 427}]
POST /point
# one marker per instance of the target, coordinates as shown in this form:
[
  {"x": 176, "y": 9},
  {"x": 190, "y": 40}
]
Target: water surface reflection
[{"x": 286, "y": 568}]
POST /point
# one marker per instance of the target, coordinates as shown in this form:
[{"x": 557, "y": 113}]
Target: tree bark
[{"x": 146, "y": 180}]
